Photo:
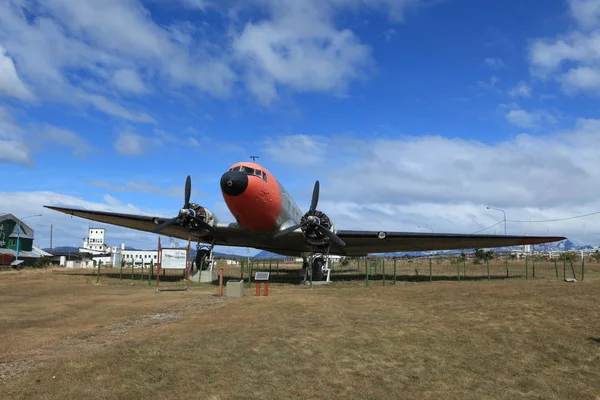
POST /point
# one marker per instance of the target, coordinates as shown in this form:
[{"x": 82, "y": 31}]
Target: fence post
[
  {"x": 383, "y": 271},
  {"x": 488, "y": 267},
  {"x": 394, "y": 270},
  {"x": 458, "y": 268},
  {"x": 506, "y": 262},
  {"x": 151, "y": 272},
  {"x": 555, "y": 268},
  {"x": 98, "y": 273},
  {"x": 430, "y": 271},
  {"x": 132, "y": 263},
  {"x": 249, "y": 273},
  {"x": 367, "y": 271},
  {"x": 533, "y": 266},
  {"x": 121, "y": 271},
  {"x": 526, "y": 267},
  {"x": 564, "y": 267},
  {"x": 572, "y": 268},
  {"x": 582, "y": 267},
  {"x": 142, "y": 270}
]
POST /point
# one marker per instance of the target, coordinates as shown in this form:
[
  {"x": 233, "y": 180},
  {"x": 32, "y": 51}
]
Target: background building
[
  {"x": 100, "y": 252},
  {"x": 10, "y": 234}
]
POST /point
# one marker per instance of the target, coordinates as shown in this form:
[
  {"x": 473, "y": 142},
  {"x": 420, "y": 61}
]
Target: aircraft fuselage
[{"x": 257, "y": 200}]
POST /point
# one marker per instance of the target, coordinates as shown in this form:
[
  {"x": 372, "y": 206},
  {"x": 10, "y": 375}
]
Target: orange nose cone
[{"x": 257, "y": 206}]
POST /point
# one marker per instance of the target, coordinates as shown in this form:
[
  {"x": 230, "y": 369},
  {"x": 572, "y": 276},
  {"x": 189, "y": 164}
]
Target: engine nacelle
[
  {"x": 310, "y": 230},
  {"x": 200, "y": 213}
]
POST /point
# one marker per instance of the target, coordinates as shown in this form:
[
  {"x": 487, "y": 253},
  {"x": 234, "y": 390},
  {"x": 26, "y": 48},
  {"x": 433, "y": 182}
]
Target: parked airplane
[{"x": 269, "y": 219}]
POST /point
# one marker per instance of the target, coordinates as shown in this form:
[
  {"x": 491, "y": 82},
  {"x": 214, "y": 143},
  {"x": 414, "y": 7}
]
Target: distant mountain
[
  {"x": 61, "y": 249},
  {"x": 267, "y": 254}
]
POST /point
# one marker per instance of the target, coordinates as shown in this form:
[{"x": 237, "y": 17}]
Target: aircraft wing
[
  {"x": 365, "y": 242},
  {"x": 358, "y": 243}
]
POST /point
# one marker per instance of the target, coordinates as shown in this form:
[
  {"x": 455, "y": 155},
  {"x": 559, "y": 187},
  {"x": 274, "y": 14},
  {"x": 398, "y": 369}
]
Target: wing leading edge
[
  {"x": 358, "y": 243},
  {"x": 364, "y": 242}
]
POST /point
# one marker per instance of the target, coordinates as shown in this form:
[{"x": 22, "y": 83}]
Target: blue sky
[{"x": 409, "y": 112}]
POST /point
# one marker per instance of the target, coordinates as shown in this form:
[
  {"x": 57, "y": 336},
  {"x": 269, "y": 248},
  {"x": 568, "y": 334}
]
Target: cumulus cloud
[
  {"x": 69, "y": 230},
  {"x": 520, "y": 90},
  {"x": 10, "y": 83},
  {"x": 65, "y": 137},
  {"x": 572, "y": 58},
  {"x": 401, "y": 183},
  {"x": 494, "y": 62},
  {"x": 13, "y": 147},
  {"x": 19, "y": 141},
  {"x": 132, "y": 144},
  {"x": 297, "y": 149},
  {"x": 144, "y": 187},
  {"x": 113, "y": 43}
]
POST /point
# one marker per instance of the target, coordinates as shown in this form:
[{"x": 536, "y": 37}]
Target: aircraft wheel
[
  {"x": 317, "y": 269},
  {"x": 201, "y": 260}
]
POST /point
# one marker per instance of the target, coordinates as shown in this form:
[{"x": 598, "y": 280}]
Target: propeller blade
[
  {"x": 331, "y": 235},
  {"x": 206, "y": 226},
  {"x": 165, "y": 224},
  {"x": 315, "y": 198},
  {"x": 287, "y": 230},
  {"x": 188, "y": 191}
]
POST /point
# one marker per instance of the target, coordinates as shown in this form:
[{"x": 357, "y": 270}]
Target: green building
[{"x": 9, "y": 232}]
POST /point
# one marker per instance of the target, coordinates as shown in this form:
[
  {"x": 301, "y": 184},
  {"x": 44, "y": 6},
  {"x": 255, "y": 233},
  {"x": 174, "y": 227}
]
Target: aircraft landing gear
[
  {"x": 204, "y": 257},
  {"x": 319, "y": 265}
]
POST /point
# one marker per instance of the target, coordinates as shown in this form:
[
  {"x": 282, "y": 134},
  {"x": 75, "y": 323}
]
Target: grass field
[{"x": 63, "y": 336}]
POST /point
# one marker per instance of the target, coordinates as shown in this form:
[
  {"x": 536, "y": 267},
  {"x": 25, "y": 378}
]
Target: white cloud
[
  {"x": 13, "y": 147},
  {"x": 64, "y": 137},
  {"x": 132, "y": 144},
  {"x": 401, "y": 183},
  {"x": 491, "y": 85},
  {"x": 523, "y": 119},
  {"x": 583, "y": 78},
  {"x": 494, "y": 62},
  {"x": 573, "y": 58},
  {"x": 129, "y": 81},
  {"x": 144, "y": 187},
  {"x": 520, "y": 90},
  {"x": 69, "y": 230},
  {"x": 79, "y": 52},
  {"x": 10, "y": 83},
  {"x": 585, "y": 12},
  {"x": 296, "y": 149},
  {"x": 19, "y": 140}
]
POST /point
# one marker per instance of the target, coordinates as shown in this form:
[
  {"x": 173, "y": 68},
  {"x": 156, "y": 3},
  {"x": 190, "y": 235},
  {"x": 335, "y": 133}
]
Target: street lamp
[
  {"x": 19, "y": 233},
  {"x": 498, "y": 209},
  {"x": 426, "y": 227}
]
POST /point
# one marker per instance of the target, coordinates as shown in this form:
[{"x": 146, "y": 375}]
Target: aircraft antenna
[{"x": 254, "y": 158}]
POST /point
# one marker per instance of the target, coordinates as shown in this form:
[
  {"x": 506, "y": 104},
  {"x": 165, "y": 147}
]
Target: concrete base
[{"x": 204, "y": 276}]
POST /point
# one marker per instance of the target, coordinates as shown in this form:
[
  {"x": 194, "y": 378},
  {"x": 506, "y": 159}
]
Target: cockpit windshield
[{"x": 250, "y": 171}]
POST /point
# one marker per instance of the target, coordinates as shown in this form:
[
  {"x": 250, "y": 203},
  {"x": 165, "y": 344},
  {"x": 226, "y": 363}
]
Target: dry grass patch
[{"x": 502, "y": 340}]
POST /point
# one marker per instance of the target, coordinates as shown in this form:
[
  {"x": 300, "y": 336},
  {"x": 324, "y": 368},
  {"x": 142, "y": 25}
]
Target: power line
[
  {"x": 557, "y": 219},
  {"x": 491, "y": 226}
]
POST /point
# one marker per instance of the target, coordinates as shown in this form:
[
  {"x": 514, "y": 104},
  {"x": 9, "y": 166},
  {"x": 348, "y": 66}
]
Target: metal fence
[
  {"x": 368, "y": 270},
  {"x": 392, "y": 270}
]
